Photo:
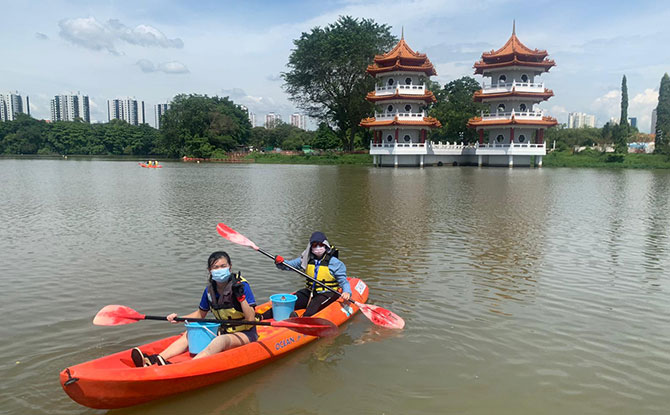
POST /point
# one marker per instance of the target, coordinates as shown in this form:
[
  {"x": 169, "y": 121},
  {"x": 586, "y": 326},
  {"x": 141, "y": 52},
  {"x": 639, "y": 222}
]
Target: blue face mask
[{"x": 221, "y": 274}]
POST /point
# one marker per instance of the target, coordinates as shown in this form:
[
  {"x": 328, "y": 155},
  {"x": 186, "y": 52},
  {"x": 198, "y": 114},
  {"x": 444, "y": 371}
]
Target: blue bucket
[
  {"x": 282, "y": 306},
  {"x": 199, "y": 335}
]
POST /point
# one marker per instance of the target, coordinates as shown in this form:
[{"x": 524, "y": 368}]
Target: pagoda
[
  {"x": 514, "y": 125},
  {"x": 400, "y": 125}
]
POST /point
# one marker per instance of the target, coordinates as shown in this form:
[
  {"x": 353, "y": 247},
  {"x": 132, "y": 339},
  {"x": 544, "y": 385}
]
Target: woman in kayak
[
  {"x": 229, "y": 297},
  {"x": 319, "y": 260}
]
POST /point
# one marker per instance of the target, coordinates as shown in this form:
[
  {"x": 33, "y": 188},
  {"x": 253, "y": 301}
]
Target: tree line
[{"x": 326, "y": 78}]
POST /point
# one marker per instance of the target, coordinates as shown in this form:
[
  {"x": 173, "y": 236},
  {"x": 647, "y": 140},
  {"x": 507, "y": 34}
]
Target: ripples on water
[{"x": 524, "y": 290}]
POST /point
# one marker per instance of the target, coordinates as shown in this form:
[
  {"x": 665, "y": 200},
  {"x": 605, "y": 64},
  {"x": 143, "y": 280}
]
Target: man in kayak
[
  {"x": 229, "y": 297},
  {"x": 319, "y": 260}
]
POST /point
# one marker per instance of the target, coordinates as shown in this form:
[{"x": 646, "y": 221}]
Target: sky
[{"x": 153, "y": 50}]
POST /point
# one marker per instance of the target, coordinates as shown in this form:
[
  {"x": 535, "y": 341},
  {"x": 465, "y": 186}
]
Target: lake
[{"x": 524, "y": 291}]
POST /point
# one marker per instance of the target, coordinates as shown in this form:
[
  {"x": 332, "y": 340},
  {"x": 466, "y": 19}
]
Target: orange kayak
[
  {"x": 150, "y": 167},
  {"x": 114, "y": 382}
]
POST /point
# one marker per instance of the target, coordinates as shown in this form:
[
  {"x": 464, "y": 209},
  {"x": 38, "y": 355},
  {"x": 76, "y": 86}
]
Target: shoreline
[{"x": 554, "y": 159}]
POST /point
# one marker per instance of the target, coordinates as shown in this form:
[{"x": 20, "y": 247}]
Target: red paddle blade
[
  {"x": 381, "y": 316},
  {"x": 311, "y": 326},
  {"x": 114, "y": 315},
  {"x": 233, "y": 236}
]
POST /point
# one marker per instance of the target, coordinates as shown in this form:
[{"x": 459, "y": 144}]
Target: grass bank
[
  {"x": 330, "y": 158},
  {"x": 590, "y": 158}
]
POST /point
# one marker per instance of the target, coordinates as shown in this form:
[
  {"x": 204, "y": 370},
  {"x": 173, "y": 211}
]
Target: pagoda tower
[
  {"x": 513, "y": 124},
  {"x": 400, "y": 125}
]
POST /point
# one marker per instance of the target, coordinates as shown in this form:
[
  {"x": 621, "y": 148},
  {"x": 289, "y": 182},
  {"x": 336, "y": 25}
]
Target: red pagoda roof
[
  {"x": 401, "y": 58},
  {"x": 478, "y": 122},
  {"x": 427, "y": 97},
  {"x": 426, "y": 122},
  {"x": 514, "y": 53},
  {"x": 479, "y": 96}
]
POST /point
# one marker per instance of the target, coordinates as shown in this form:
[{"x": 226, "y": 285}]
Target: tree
[
  {"x": 325, "y": 138},
  {"x": 327, "y": 72},
  {"x": 197, "y": 125},
  {"x": 454, "y": 107},
  {"x": 663, "y": 117},
  {"x": 623, "y": 120}
]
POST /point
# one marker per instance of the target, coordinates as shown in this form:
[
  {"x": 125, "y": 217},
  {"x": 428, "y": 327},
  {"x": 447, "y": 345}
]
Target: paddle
[
  {"x": 379, "y": 316},
  {"x": 114, "y": 315}
]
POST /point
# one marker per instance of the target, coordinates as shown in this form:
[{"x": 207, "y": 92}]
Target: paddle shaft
[
  {"x": 305, "y": 275},
  {"x": 211, "y": 320}
]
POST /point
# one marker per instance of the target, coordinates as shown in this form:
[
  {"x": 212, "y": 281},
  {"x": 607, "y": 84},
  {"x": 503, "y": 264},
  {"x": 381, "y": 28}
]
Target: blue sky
[{"x": 153, "y": 50}]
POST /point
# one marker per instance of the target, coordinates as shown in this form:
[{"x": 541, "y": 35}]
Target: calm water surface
[{"x": 524, "y": 291}]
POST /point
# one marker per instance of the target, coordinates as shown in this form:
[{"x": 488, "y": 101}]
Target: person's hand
[
  {"x": 171, "y": 318},
  {"x": 346, "y": 296},
  {"x": 238, "y": 291},
  {"x": 278, "y": 259}
]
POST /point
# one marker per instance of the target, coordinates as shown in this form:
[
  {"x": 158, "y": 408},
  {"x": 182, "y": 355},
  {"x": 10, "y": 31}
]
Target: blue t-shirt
[{"x": 204, "y": 301}]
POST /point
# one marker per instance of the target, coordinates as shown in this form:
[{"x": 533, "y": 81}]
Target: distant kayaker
[
  {"x": 229, "y": 297},
  {"x": 319, "y": 260}
]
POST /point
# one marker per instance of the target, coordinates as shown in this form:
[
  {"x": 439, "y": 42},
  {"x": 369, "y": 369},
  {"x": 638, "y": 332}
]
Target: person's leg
[
  {"x": 223, "y": 342},
  {"x": 178, "y": 347},
  {"x": 319, "y": 302}
]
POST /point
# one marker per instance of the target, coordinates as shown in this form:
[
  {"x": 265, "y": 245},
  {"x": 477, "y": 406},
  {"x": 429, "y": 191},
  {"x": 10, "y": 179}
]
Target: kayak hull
[
  {"x": 150, "y": 167},
  {"x": 114, "y": 382}
]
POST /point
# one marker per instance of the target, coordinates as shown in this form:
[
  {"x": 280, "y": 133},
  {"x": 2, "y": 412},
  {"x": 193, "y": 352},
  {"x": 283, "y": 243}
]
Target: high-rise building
[
  {"x": 580, "y": 120},
  {"x": 272, "y": 120},
  {"x": 129, "y": 110},
  {"x": 653, "y": 122},
  {"x": 70, "y": 108},
  {"x": 10, "y": 105},
  {"x": 299, "y": 120},
  {"x": 251, "y": 115},
  {"x": 632, "y": 121},
  {"x": 159, "y": 111}
]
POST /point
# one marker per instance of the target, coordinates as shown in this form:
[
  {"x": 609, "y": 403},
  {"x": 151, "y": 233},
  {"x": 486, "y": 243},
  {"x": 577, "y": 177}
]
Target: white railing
[
  {"x": 513, "y": 145},
  {"x": 526, "y": 115},
  {"x": 400, "y": 115},
  {"x": 448, "y": 146},
  {"x": 403, "y": 89},
  {"x": 393, "y": 144},
  {"x": 516, "y": 85}
]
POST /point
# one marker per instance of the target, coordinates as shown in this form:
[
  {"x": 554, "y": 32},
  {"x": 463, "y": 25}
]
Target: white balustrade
[
  {"x": 393, "y": 144},
  {"x": 401, "y": 115},
  {"x": 403, "y": 89},
  {"x": 514, "y": 85},
  {"x": 526, "y": 115}
]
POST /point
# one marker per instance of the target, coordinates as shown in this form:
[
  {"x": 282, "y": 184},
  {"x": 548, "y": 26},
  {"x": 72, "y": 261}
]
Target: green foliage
[
  {"x": 197, "y": 125},
  {"x": 610, "y": 160},
  {"x": 623, "y": 120},
  {"x": 454, "y": 107},
  {"x": 573, "y": 137},
  {"x": 26, "y": 135},
  {"x": 663, "y": 117},
  {"x": 614, "y": 158},
  {"x": 325, "y": 138},
  {"x": 284, "y": 136},
  {"x": 328, "y": 158},
  {"x": 327, "y": 72}
]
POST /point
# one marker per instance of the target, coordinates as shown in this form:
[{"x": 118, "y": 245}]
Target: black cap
[{"x": 317, "y": 237}]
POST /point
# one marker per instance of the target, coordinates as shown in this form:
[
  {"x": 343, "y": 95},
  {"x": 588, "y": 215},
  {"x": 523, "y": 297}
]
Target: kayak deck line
[{"x": 113, "y": 381}]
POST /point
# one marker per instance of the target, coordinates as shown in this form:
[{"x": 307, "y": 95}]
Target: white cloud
[
  {"x": 257, "y": 104},
  {"x": 92, "y": 34},
  {"x": 641, "y": 107},
  {"x": 173, "y": 67},
  {"x": 87, "y": 32}
]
